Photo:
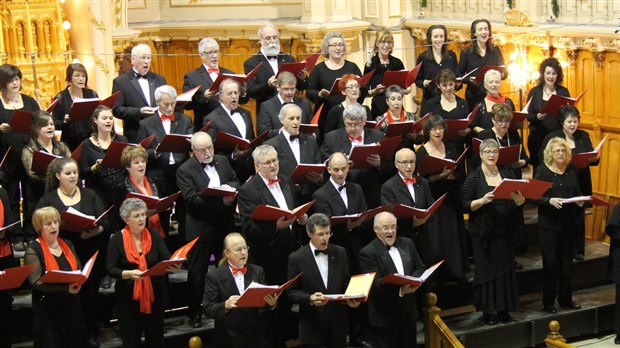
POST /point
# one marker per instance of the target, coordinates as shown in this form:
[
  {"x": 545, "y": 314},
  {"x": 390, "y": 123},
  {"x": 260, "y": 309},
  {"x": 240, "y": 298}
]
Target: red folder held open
[
  {"x": 461, "y": 124},
  {"x": 75, "y": 221},
  {"x": 401, "y": 210},
  {"x": 186, "y": 97},
  {"x": 40, "y": 161},
  {"x": 13, "y": 277},
  {"x": 178, "y": 143},
  {"x": 531, "y": 189},
  {"x": 70, "y": 277},
  {"x": 21, "y": 122},
  {"x": 240, "y": 78},
  {"x": 303, "y": 169},
  {"x": 435, "y": 165},
  {"x": 219, "y": 192},
  {"x": 112, "y": 157},
  {"x": 343, "y": 219},
  {"x": 397, "y": 279},
  {"x": 254, "y": 295},
  {"x": 265, "y": 212},
  {"x": 582, "y": 160},
  {"x": 555, "y": 102},
  {"x": 156, "y": 203},
  {"x": 227, "y": 141},
  {"x": 177, "y": 258}
]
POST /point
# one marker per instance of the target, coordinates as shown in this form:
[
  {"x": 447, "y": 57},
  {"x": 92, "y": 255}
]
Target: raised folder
[
  {"x": 401, "y": 78},
  {"x": 82, "y": 109},
  {"x": 343, "y": 219},
  {"x": 435, "y": 165},
  {"x": 75, "y": 221},
  {"x": 531, "y": 189},
  {"x": 156, "y": 203},
  {"x": 401, "y": 210},
  {"x": 227, "y": 141},
  {"x": 178, "y": 143},
  {"x": 21, "y": 122},
  {"x": 13, "y": 277},
  {"x": 313, "y": 126},
  {"x": 482, "y": 71},
  {"x": 384, "y": 148},
  {"x": 177, "y": 258},
  {"x": 592, "y": 199},
  {"x": 398, "y": 279},
  {"x": 297, "y": 67},
  {"x": 507, "y": 154},
  {"x": 78, "y": 277},
  {"x": 254, "y": 295},
  {"x": 40, "y": 161},
  {"x": 358, "y": 288},
  {"x": 401, "y": 128},
  {"x": 240, "y": 78},
  {"x": 362, "y": 81},
  {"x": 187, "y": 96},
  {"x": 454, "y": 126},
  {"x": 582, "y": 160},
  {"x": 555, "y": 102},
  {"x": 112, "y": 157},
  {"x": 265, "y": 212},
  {"x": 222, "y": 191},
  {"x": 303, "y": 169}
]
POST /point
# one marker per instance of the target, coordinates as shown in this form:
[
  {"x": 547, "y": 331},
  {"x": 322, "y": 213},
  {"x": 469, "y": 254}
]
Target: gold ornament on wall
[
  {"x": 96, "y": 22},
  {"x": 518, "y": 18},
  {"x": 101, "y": 64}
]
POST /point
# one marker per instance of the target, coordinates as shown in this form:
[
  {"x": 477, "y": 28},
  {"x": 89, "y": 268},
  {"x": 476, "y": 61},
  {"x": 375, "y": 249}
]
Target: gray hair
[
  {"x": 130, "y": 205},
  {"x": 207, "y": 41},
  {"x": 378, "y": 217},
  {"x": 327, "y": 38},
  {"x": 200, "y": 136},
  {"x": 492, "y": 72},
  {"x": 269, "y": 25},
  {"x": 317, "y": 219},
  {"x": 354, "y": 112},
  {"x": 139, "y": 47},
  {"x": 393, "y": 89},
  {"x": 225, "y": 82},
  {"x": 286, "y": 76},
  {"x": 262, "y": 150},
  {"x": 488, "y": 143},
  {"x": 165, "y": 89},
  {"x": 285, "y": 109}
]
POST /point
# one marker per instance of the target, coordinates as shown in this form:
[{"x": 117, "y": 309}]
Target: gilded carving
[
  {"x": 96, "y": 22},
  {"x": 102, "y": 66},
  {"x": 572, "y": 55},
  {"x": 599, "y": 58},
  {"x": 518, "y": 18}
]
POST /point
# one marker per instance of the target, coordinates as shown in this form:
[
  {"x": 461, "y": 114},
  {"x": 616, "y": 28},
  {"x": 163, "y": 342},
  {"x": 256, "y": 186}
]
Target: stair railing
[
  {"x": 554, "y": 339},
  {"x": 437, "y": 333}
]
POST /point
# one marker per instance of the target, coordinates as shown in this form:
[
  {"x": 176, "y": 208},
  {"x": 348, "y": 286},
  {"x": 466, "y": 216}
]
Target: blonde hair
[
  {"x": 130, "y": 153},
  {"x": 44, "y": 214},
  {"x": 548, "y": 153}
]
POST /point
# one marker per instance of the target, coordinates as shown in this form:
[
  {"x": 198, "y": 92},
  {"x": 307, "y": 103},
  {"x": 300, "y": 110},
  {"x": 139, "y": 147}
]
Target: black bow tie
[
  {"x": 289, "y": 102},
  {"x": 388, "y": 247},
  {"x": 204, "y": 165},
  {"x": 317, "y": 252},
  {"x": 272, "y": 57},
  {"x": 293, "y": 137},
  {"x": 342, "y": 187},
  {"x": 232, "y": 112},
  {"x": 138, "y": 76}
]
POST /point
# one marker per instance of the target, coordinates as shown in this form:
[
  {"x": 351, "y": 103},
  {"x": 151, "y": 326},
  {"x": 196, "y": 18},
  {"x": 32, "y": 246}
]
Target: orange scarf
[
  {"x": 142, "y": 288},
  {"x": 5, "y": 245},
  {"x": 154, "y": 221},
  {"x": 499, "y": 99},
  {"x": 391, "y": 119},
  {"x": 50, "y": 260}
]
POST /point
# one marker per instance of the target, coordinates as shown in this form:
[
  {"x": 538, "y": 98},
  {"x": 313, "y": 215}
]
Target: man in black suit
[
  {"x": 204, "y": 101},
  {"x": 237, "y": 327},
  {"x": 263, "y": 85},
  {"x": 412, "y": 190},
  {"x": 325, "y": 270},
  {"x": 269, "y": 110},
  {"x": 354, "y": 133},
  {"x": 136, "y": 99},
  {"x": 231, "y": 119},
  {"x": 163, "y": 165},
  {"x": 391, "y": 308},
  {"x": 209, "y": 218}
]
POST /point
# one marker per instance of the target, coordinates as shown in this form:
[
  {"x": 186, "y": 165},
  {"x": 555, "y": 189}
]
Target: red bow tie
[
  {"x": 271, "y": 182},
  {"x": 237, "y": 270},
  {"x": 167, "y": 117},
  {"x": 215, "y": 70},
  {"x": 359, "y": 138},
  {"x": 409, "y": 180}
]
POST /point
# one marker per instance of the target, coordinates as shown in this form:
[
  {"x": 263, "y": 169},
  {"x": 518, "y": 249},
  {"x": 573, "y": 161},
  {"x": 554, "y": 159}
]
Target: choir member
[
  {"x": 7, "y": 260},
  {"x": 613, "y": 231},
  {"x": 349, "y": 87},
  {"x": 396, "y": 113},
  {"x": 483, "y": 119}
]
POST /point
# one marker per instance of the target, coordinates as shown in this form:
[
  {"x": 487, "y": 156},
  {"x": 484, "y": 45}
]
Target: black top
[
  {"x": 548, "y": 124},
  {"x": 73, "y": 132},
  {"x": 470, "y": 60},
  {"x": 509, "y": 139},
  {"x": 104, "y": 179},
  {"x": 564, "y": 186},
  {"x": 484, "y": 118},
  {"x": 379, "y": 105},
  {"x": 434, "y": 105},
  {"x": 429, "y": 70},
  {"x": 15, "y": 140}
]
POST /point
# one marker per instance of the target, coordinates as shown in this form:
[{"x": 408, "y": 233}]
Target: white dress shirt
[{"x": 322, "y": 263}]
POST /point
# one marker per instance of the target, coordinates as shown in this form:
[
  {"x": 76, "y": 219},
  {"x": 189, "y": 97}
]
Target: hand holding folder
[
  {"x": 398, "y": 279},
  {"x": 454, "y": 126},
  {"x": 21, "y": 122},
  {"x": 435, "y": 165},
  {"x": 531, "y": 189},
  {"x": 254, "y": 295},
  {"x": 70, "y": 277},
  {"x": 592, "y": 199},
  {"x": 240, "y": 78},
  {"x": 555, "y": 102},
  {"x": 401, "y": 210},
  {"x": 155, "y": 203},
  {"x": 75, "y": 221},
  {"x": 358, "y": 289},
  {"x": 582, "y": 160},
  {"x": 368, "y": 214},
  {"x": 222, "y": 191},
  {"x": 177, "y": 258},
  {"x": 303, "y": 169}
]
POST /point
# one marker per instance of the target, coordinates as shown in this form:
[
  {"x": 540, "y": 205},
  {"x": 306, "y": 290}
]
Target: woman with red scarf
[
  {"x": 394, "y": 98},
  {"x": 140, "y": 301},
  {"x": 56, "y": 308},
  {"x": 484, "y": 118}
]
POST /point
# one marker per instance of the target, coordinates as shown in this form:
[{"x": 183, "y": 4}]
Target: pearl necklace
[
  {"x": 490, "y": 174},
  {"x": 547, "y": 92},
  {"x": 71, "y": 195}
]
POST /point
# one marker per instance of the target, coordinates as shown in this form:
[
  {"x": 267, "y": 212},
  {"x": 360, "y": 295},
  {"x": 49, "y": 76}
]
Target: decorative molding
[
  {"x": 599, "y": 58},
  {"x": 102, "y": 66},
  {"x": 572, "y": 55},
  {"x": 96, "y": 22}
]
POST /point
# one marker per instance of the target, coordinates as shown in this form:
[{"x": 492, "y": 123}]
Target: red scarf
[
  {"x": 499, "y": 99},
  {"x": 391, "y": 119},
  {"x": 154, "y": 221},
  {"x": 142, "y": 288},
  {"x": 5, "y": 245},
  {"x": 50, "y": 260}
]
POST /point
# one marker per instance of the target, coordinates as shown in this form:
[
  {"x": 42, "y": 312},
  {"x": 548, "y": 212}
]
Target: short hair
[
  {"x": 199, "y": 135},
  {"x": 327, "y": 38},
  {"x": 331, "y": 157},
  {"x": 98, "y": 110},
  {"x": 342, "y": 84},
  {"x": 51, "y": 181},
  {"x": 488, "y": 143},
  {"x": 443, "y": 76},
  {"x": 548, "y": 152},
  {"x": 40, "y": 119},
  {"x": 393, "y": 89},
  {"x": 139, "y": 47},
  {"x": 7, "y": 73},
  {"x": 432, "y": 122},
  {"x": 285, "y": 109},
  {"x": 129, "y": 205},
  {"x": 41, "y": 215},
  {"x": 268, "y": 25},
  {"x": 403, "y": 150},
  {"x": 226, "y": 245},
  {"x": 492, "y": 72},
  {"x": 317, "y": 219},
  {"x": 286, "y": 76},
  {"x": 501, "y": 111},
  {"x": 263, "y": 150},
  {"x": 132, "y": 152},
  {"x": 555, "y": 65},
  {"x": 226, "y": 82},
  {"x": 73, "y": 68},
  {"x": 566, "y": 111},
  {"x": 165, "y": 89},
  {"x": 378, "y": 217},
  {"x": 354, "y": 112},
  {"x": 207, "y": 41}
]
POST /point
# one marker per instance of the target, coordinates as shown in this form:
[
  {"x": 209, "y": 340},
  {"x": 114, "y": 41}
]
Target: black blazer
[
  {"x": 201, "y": 106},
  {"x": 206, "y": 217},
  {"x": 329, "y": 202},
  {"x": 74, "y": 132},
  {"x": 131, "y": 99},
  {"x": 257, "y": 88},
  {"x": 315, "y": 323},
  {"x": 338, "y": 141},
  {"x": 395, "y": 191},
  {"x": 308, "y": 152},
  {"x": 223, "y": 122},
  {"x": 268, "y": 116},
  {"x": 386, "y": 309}
]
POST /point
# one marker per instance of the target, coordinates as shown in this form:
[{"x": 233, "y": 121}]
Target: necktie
[
  {"x": 237, "y": 270},
  {"x": 204, "y": 165},
  {"x": 274, "y": 181},
  {"x": 167, "y": 117},
  {"x": 409, "y": 180},
  {"x": 293, "y": 137},
  {"x": 317, "y": 252},
  {"x": 272, "y": 57},
  {"x": 214, "y": 70},
  {"x": 342, "y": 187},
  {"x": 359, "y": 138},
  {"x": 140, "y": 76}
]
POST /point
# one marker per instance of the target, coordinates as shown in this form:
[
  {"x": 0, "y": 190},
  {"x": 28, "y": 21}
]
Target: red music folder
[
  {"x": 78, "y": 277},
  {"x": 376, "y": 123},
  {"x": 343, "y": 219},
  {"x": 359, "y": 153},
  {"x": 397, "y": 279},
  {"x": 109, "y": 101},
  {"x": 401, "y": 210},
  {"x": 555, "y": 102},
  {"x": 156, "y": 203},
  {"x": 484, "y": 69},
  {"x": 177, "y": 258},
  {"x": 265, "y": 212},
  {"x": 77, "y": 152},
  {"x": 227, "y": 141},
  {"x": 308, "y": 128},
  {"x": 401, "y": 78},
  {"x": 222, "y": 191},
  {"x": 435, "y": 165},
  {"x": 75, "y": 221},
  {"x": 52, "y": 106},
  {"x": 254, "y": 295},
  {"x": 454, "y": 126},
  {"x": 146, "y": 142},
  {"x": 582, "y": 160},
  {"x": 507, "y": 154},
  {"x": 186, "y": 97},
  {"x": 317, "y": 115},
  {"x": 40, "y": 161},
  {"x": 296, "y": 67},
  {"x": 531, "y": 189},
  {"x": 241, "y": 78},
  {"x": 5, "y": 156},
  {"x": 12, "y": 278},
  {"x": 358, "y": 288},
  {"x": 112, "y": 157},
  {"x": 206, "y": 126},
  {"x": 362, "y": 81},
  {"x": 520, "y": 116},
  {"x": 21, "y": 122},
  {"x": 303, "y": 169},
  {"x": 82, "y": 109},
  {"x": 402, "y": 128},
  {"x": 178, "y": 143}
]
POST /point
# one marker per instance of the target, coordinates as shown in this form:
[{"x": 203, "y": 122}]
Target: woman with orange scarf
[
  {"x": 140, "y": 301},
  {"x": 56, "y": 308},
  {"x": 484, "y": 118}
]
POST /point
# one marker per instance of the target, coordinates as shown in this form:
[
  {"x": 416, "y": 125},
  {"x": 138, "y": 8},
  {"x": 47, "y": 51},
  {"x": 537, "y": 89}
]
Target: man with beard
[{"x": 263, "y": 85}]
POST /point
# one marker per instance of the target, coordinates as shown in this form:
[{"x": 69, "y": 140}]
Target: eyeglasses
[
  {"x": 406, "y": 163},
  {"x": 336, "y": 45},
  {"x": 386, "y": 228},
  {"x": 138, "y": 216},
  {"x": 204, "y": 149},
  {"x": 211, "y": 53},
  {"x": 353, "y": 87},
  {"x": 438, "y": 129},
  {"x": 240, "y": 249},
  {"x": 271, "y": 38},
  {"x": 353, "y": 125},
  {"x": 269, "y": 163},
  {"x": 490, "y": 152},
  {"x": 324, "y": 235},
  {"x": 558, "y": 151},
  {"x": 386, "y": 42}
]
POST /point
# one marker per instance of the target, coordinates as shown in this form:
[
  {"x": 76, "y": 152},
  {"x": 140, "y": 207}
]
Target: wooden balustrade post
[
  {"x": 195, "y": 342},
  {"x": 429, "y": 328},
  {"x": 554, "y": 332}
]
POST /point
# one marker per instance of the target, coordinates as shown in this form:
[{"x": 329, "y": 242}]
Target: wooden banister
[
  {"x": 554, "y": 339},
  {"x": 437, "y": 333}
]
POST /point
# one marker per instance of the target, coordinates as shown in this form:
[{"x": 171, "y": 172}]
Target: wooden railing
[
  {"x": 437, "y": 333},
  {"x": 554, "y": 339},
  {"x": 195, "y": 342}
]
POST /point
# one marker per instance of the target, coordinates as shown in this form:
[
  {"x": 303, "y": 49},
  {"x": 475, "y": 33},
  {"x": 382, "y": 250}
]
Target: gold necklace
[{"x": 69, "y": 195}]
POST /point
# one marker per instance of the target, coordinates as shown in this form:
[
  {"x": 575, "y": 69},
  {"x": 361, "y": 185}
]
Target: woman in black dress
[
  {"x": 557, "y": 224},
  {"x": 484, "y": 118},
  {"x": 349, "y": 87},
  {"x": 73, "y": 132},
  {"x": 492, "y": 227}
]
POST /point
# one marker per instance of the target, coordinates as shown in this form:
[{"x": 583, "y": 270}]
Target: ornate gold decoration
[
  {"x": 102, "y": 66},
  {"x": 599, "y": 58},
  {"x": 96, "y": 22},
  {"x": 193, "y": 2},
  {"x": 518, "y": 18},
  {"x": 572, "y": 55},
  {"x": 118, "y": 12}
]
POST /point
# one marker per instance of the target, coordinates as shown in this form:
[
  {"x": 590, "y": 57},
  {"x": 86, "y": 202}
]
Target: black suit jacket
[
  {"x": 201, "y": 106},
  {"x": 239, "y": 327},
  {"x": 206, "y": 217},
  {"x": 308, "y": 152},
  {"x": 131, "y": 99},
  {"x": 316, "y": 322},
  {"x": 386, "y": 309},
  {"x": 269, "y": 110},
  {"x": 257, "y": 88}
]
